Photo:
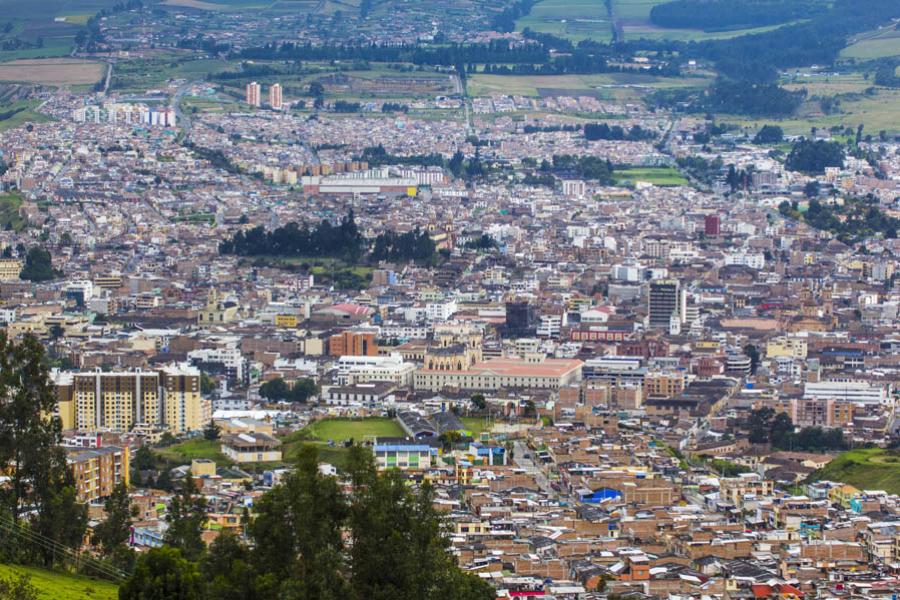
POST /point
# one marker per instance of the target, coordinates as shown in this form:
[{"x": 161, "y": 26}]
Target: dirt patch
[{"x": 52, "y": 71}]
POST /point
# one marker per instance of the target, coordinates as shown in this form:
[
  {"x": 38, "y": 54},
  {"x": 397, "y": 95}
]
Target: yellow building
[
  {"x": 125, "y": 400},
  {"x": 10, "y": 269},
  {"x": 287, "y": 321},
  {"x": 97, "y": 471},
  {"x": 217, "y": 311},
  {"x": 787, "y": 347}
]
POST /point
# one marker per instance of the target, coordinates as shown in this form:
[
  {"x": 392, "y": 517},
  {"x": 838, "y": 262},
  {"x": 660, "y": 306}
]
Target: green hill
[
  {"x": 53, "y": 585},
  {"x": 865, "y": 468}
]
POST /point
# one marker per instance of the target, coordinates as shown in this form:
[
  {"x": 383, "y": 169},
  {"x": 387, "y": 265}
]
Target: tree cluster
[
  {"x": 767, "y": 427},
  {"x": 713, "y": 15},
  {"x": 414, "y": 245},
  {"x": 278, "y": 389},
  {"x": 323, "y": 240},
  {"x": 813, "y": 156},
  {"x": 38, "y": 265},
  {"x": 580, "y": 167},
  {"x": 309, "y": 540},
  {"x": 602, "y": 131},
  {"x": 769, "y": 134}
]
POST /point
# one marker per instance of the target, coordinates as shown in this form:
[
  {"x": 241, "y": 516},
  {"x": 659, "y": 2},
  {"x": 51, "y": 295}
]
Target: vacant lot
[
  {"x": 52, "y": 585},
  {"x": 52, "y": 71},
  {"x": 867, "y": 469},
  {"x": 16, "y": 114},
  {"x": 9, "y": 211}
]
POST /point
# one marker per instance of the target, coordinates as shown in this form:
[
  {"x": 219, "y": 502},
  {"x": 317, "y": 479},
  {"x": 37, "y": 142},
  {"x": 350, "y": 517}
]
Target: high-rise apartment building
[
  {"x": 667, "y": 304},
  {"x": 253, "y": 94},
  {"x": 275, "y": 96},
  {"x": 120, "y": 401}
]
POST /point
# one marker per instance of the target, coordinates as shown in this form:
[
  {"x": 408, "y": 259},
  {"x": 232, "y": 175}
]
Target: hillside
[
  {"x": 865, "y": 468},
  {"x": 52, "y": 585}
]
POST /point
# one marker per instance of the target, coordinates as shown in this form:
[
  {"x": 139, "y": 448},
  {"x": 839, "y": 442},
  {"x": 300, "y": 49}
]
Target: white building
[
  {"x": 364, "y": 369},
  {"x": 847, "y": 390}
]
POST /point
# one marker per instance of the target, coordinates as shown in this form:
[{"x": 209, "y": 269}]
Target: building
[
  {"x": 247, "y": 448},
  {"x": 406, "y": 455},
  {"x": 98, "y": 470},
  {"x": 10, "y": 269},
  {"x": 353, "y": 343},
  {"x": 847, "y": 390},
  {"x": 500, "y": 373},
  {"x": 253, "y": 94},
  {"x": 667, "y": 305},
  {"x": 275, "y": 100},
  {"x": 121, "y": 401},
  {"x": 520, "y": 320},
  {"x": 712, "y": 225},
  {"x": 365, "y": 369}
]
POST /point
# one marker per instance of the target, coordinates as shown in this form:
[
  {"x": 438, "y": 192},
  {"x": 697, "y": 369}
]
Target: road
[{"x": 530, "y": 467}]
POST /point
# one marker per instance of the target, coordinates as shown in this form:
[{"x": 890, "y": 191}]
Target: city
[{"x": 487, "y": 300}]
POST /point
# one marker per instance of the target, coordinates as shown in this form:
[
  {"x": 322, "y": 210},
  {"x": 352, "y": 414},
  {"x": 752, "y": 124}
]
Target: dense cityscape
[{"x": 451, "y": 300}]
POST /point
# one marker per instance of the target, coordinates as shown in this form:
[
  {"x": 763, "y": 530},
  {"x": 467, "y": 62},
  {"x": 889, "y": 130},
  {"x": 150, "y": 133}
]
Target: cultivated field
[
  {"x": 881, "y": 43},
  {"x": 52, "y": 71},
  {"x": 573, "y": 19},
  {"x": 610, "y": 86}
]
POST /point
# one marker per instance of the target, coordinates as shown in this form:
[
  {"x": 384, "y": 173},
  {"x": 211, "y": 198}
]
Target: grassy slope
[
  {"x": 866, "y": 469},
  {"x": 27, "y": 115},
  {"x": 184, "y": 452},
  {"x": 53, "y": 585},
  {"x": 9, "y": 211},
  {"x": 337, "y": 430}
]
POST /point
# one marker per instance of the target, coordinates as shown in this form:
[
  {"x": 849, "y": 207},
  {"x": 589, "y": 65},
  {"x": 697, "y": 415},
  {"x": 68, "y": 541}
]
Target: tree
[
  {"x": 298, "y": 535},
  {"x": 226, "y": 569},
  {"x": 163, "y": 574},
  {"x": 759, "y": 424},
  {"x": 115, "y": 530},
  {"x": 211, "y": 431},
  {"x": 813, "y": 156},
  {"x": 399, "y": 547},
  {"x": 38, "y": 265},
  {"x": 187, "y": 516},
  {"x": 812, "y": 188},
  {"x": 478, "y": 401},
  {"x": 29, "y": 439},
  {"x": 207, "y": 384},
  {"x": 782, "y": 430},
  {"x": 752, "y": 353},
  {"x": 769, "y": 134}
]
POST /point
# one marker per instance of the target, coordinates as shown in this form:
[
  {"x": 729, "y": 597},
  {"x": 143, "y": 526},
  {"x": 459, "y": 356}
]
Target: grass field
[
  {"x": 573, "y": 19},
  {"x": 358, "y": 429},
  {"x": 866, "y": 469},
  {"x": 319, "y": 433},
  {"x": 661, "y": 176},
  {"x": 52, "y": 71},
  {"x": 881, "y": 43},
  {"x": 185, "y": 452},
  {"x": 52, "y": 585},
  {"x": 9, "y": 212},
  {"x": 476, "y": 425},
  {"x": 651, "y": 32}
]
